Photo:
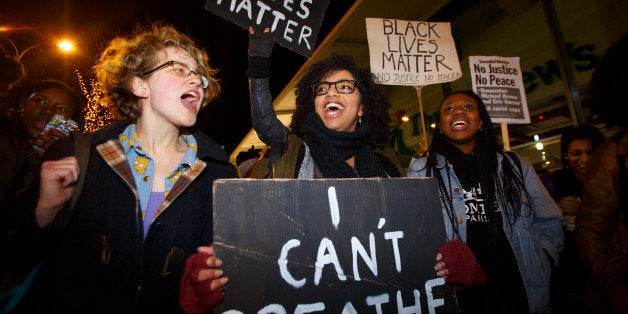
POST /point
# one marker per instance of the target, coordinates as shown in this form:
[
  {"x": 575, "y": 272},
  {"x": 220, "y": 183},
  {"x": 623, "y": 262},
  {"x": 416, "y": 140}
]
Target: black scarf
[{"x": 330, "y": 149}]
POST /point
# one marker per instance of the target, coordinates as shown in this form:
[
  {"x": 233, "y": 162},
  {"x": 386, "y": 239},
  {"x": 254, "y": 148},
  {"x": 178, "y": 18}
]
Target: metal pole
[{"x": 569, "y": 83}]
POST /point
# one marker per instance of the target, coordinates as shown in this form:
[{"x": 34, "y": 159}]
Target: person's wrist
[{"x": 259, "y": 67}]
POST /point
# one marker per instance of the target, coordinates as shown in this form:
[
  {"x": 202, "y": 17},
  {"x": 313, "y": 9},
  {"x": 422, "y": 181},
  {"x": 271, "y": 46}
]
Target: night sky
[{"x": 93, "y": 23}]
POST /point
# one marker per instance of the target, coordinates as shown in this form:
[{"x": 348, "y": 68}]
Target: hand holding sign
[
  {"x": 202, "y": 282},
  {"x": 333, "y": 246},
  {"x": 260, "y": 44}
]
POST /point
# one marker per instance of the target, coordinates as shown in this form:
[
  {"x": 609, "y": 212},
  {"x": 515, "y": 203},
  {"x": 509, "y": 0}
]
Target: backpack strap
[
  {"x": 82, "y": 146},
  {"x": 286, "y": 166}
]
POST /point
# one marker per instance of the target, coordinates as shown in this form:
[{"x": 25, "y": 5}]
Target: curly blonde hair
[{"x": 125, "y": 58}]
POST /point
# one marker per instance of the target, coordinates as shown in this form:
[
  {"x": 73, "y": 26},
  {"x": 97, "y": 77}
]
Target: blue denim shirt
[
  {"x": 530, "y": 237},
  {"x": 144, "y": 167}
]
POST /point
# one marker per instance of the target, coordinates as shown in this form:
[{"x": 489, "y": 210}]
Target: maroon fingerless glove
[
  {"x": 463, "y": 268},
  {"x": 197, "y": 297}
]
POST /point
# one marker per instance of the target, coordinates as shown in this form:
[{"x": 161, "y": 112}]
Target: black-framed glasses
[
  {"x": 342, "y": 87},
  {"x": 180, "y": 69}
]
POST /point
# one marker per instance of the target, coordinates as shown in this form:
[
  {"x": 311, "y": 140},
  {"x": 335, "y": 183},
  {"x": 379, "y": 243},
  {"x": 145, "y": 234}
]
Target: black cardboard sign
[
  {"x": 332, "y": 246},
  {"x": 293, "y": 24}
]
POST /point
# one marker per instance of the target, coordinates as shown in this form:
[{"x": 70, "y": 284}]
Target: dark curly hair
[
  {"x": 375, "y": 106},
  {"x": 506, "y": 189},
  {"x": 12, "y": 101}
]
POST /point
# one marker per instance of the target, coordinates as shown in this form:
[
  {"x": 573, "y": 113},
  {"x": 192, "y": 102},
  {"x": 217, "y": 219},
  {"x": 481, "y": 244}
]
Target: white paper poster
[
  {"x": 412, "y": 53},
  {"x": 498, "y": 81}
]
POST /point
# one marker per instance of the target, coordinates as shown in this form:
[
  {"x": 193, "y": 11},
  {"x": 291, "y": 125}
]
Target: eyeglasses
[
  {"x": 180, "y": 69},
  {"x": 342, "y": 86}
]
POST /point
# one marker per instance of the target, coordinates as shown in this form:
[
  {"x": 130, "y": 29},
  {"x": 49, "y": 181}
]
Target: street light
[
  {"x": 66, "y": 45},
  {"x": 16, "y": 57}
]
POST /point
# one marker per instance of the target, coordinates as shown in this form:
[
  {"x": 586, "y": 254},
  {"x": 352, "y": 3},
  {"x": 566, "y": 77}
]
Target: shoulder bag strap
[{"x": 82, "y": 146}]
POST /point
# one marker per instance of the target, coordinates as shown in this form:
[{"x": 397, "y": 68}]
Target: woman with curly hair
[
  {"x": 146, "y": 202},
  {"x": 494, "y": 202},
  {"x": 341, "y": 116}
]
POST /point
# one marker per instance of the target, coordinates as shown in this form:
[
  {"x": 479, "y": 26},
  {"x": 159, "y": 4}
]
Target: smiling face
[
  {"x": 460, "y": 120},
  {"x": 43, "y": 105},
  {"x": 339, "y": 112},
  {"x": 168, "y": 95},
  {"x": 578, "y": 154}
]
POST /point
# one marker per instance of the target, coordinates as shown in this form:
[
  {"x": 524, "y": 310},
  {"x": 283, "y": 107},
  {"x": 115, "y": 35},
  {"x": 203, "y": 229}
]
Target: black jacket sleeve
[{"x": 265, "y": 122}]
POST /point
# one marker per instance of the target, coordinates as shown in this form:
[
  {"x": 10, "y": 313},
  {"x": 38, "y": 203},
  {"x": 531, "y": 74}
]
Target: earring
[{"x": 359, "y": 120}]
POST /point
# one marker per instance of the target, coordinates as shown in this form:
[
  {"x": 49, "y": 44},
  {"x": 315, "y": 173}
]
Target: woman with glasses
[
  {"x": 146, "y": 203},
  {"x": 341, "y": 116}
]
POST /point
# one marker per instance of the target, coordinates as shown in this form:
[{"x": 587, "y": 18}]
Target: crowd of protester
[{"x": 127, "y": 231}]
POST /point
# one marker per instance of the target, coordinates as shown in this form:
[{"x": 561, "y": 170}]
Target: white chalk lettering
[
  {"x": 394, "y": 236},
  {"x": 381, "y": 223},
  {"x": 324, "y": 258},
  {"x": 278, "y": 17},
  {"x": 377, "y": 300},
  {"x": 272, "y": 308},
  {"x": 286, "y": 4},
  {"x": 432, "y": 303},
  {"x": 306, "y": 32},
  {"x": 371, "y": 262},
  {"x": 333, "y": 206},
  {"x": 246, "y": 4},
  {"x": 349, "y": 309},
  {"x": 305, "y": 10},
  {"x": 289, "y": 30},
  {"x": 263, "y": 8},
  {"x": 309, "y": 308},
  {"x": 412, "y": 309},
  {"x": 283, "y": 264}
]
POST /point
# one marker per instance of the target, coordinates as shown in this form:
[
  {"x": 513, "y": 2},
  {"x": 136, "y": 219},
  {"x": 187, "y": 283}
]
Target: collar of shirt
[{"x": 143, "y": 167}]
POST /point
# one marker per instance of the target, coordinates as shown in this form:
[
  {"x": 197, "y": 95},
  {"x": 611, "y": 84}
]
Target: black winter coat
[{"x": 100, "y": 262}]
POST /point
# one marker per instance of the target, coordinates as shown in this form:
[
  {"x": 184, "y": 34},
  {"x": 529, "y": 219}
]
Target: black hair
[
  {"x": 12, "y": 101},
  {"x": 507, "y": 188},
  {"x": 374, "y": 104},
  {"x": 580, "y": 132},
  {"x": 608, "y": 81}
]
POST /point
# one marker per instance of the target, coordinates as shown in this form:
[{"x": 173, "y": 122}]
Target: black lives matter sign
[
  {"x": 293, "y": 24},
  {"x": 330, "y": 246},
  {"x": 412, "y": 53}
]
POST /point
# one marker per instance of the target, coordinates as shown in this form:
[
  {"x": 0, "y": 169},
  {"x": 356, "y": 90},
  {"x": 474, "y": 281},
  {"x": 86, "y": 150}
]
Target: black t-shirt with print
[{"x": 504, "y": 291}]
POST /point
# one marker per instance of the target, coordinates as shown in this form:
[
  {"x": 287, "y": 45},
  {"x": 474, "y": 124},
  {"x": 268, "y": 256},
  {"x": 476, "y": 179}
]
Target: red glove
[
  {"x": 197, "y": 297},
  {"x": 463, "y": 268}
]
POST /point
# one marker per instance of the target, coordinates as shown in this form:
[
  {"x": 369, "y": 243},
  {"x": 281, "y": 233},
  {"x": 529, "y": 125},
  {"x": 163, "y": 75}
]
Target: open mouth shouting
[
  {"x": 333, "y": 109},
  {"x": 459, "y": 125},
  {"x": 191, "y": 99}
]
